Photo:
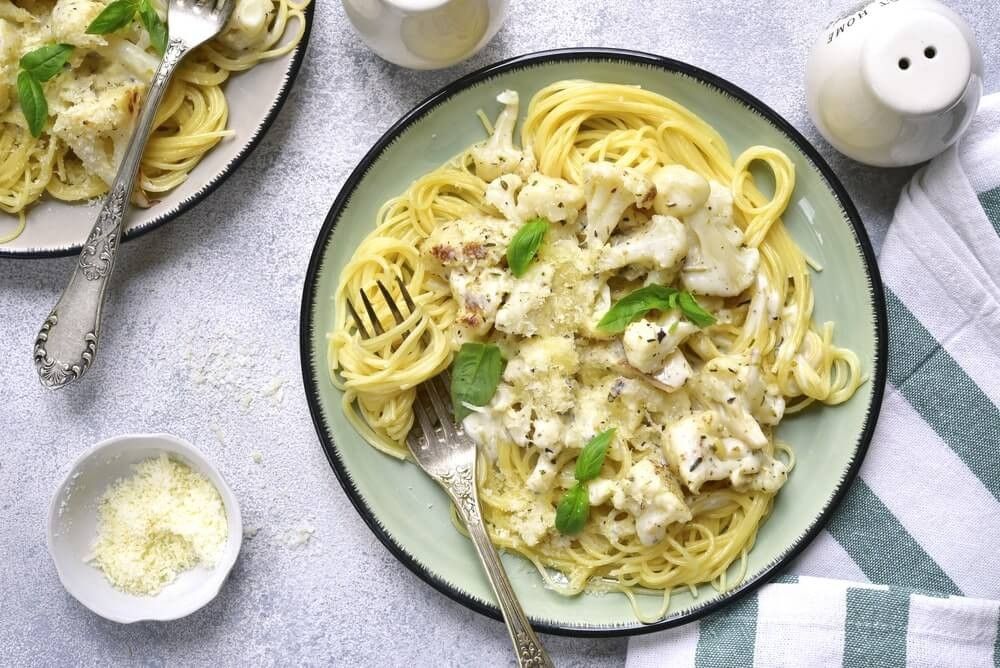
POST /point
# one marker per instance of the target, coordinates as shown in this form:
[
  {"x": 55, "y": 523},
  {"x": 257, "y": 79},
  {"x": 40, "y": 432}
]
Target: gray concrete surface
[{"x": 181, "y": 310}]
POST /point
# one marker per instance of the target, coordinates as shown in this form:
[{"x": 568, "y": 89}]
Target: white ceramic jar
[
  {"x": 894, "y": 82},
  {"x": 426, "y": 34}
]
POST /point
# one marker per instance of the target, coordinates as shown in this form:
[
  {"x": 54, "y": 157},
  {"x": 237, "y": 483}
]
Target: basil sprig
[
  {"x": 573, "y": 510},
  {"x": 154, "y": 25},
  {"x": 37, "y": 67},
  {"x": 525, "y": 244},
  {"x": 590, "y": 461},
  {"x": 653, "y": 298},
  {"x": 45, "y": 62},
  {"x": 693, "y": 311},
  {"x": 574, "y": 507},
  {"x": 475, "y": 375},
  {"x": 120, "y": 13}
]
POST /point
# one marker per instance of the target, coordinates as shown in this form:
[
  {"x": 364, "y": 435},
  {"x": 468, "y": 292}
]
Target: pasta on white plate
[
  {"x": 654, "y": 320},
  {"x": 94, "y": 100}
]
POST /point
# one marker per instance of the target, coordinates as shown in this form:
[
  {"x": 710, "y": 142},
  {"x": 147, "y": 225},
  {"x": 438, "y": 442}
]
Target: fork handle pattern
[
  {"x": 461, "y": 487},
  {"x": 67, "y": 342}
]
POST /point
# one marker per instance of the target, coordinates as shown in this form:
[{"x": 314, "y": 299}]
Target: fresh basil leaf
[
  {"x": 475, "y": 375},
  {"x": 45, "y": 62},
  {"x": 115, "y": 16},
  {"x": 525, "y": 244},
  {"x": 154, "y": 25},
  {"x": 590, "y": 461},
  {"x": 33, "y": 104},
  {"x": 573, "y": 510},
  {"x": 693, "y": 311},
  {"x": 635, "y": 305}
]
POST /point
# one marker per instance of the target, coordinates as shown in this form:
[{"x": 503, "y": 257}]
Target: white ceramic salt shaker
[
  {"x": 895, "y": 82},
  {"x": 426, "y": 34}
]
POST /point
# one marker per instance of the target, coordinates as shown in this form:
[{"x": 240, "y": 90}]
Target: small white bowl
[{"x": 72, "y": 528}]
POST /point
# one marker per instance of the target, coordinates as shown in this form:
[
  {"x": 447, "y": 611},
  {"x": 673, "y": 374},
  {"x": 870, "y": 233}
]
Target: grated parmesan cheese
[{"x": 161, "y": 521}]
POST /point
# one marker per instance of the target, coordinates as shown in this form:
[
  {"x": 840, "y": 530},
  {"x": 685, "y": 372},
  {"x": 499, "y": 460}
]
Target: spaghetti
[
  {"x": 763, "y": 344},
  {"x": 75, "y": 158}
]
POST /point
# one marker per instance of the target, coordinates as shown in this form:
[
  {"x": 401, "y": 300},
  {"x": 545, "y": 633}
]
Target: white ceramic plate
[
  {"x": 255, "y": 97},
  {"x": 72, "y": 527}
]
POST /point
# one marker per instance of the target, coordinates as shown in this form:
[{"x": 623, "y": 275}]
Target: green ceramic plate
[{"x": 409, "y": 513}]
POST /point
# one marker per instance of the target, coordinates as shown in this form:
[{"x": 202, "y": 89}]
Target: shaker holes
[
  {"x": 930, "y": 52},
  {"x": 904, "y": 63}
]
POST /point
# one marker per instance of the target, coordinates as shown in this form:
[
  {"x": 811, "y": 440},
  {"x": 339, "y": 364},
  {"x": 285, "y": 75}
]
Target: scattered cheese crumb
[
  {"x": 220, "y": 436},
  {"x": 300, "y": 535},
  {"x": 250, "y": 532},
  {"x": 276, "y": 390},
  {"x": 256, "y": 457},
  {"x": 161, "y": 521}
]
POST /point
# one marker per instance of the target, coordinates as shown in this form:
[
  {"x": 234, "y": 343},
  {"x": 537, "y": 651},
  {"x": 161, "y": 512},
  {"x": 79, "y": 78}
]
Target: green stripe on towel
[
  {"x": 727, "y": 638},
  {"x": 996, "y": 647},
  {"x": 875, "y": 628},
  {"x": 944, "y": 395},
  {"x": 881, "y": 547},
  {"x": 991, "y": 205}
]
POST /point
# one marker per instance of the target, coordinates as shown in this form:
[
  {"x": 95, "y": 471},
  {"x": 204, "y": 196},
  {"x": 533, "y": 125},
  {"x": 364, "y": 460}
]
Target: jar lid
[{"x": 917, "y": 62}]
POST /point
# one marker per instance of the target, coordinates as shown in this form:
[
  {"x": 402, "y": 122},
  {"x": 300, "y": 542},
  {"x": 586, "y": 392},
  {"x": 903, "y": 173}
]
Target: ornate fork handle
[
  {"x": 67, "y": 342},
  {"x": 461, "y": 487}
]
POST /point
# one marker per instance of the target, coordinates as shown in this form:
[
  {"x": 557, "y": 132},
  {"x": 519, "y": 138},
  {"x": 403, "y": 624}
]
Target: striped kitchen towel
[{"x": 907, "y": 572}]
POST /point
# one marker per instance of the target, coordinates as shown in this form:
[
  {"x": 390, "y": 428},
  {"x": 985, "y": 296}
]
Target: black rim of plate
[
  {"x": 291, "y": 74},
  {"x": 310, "y": 377}
]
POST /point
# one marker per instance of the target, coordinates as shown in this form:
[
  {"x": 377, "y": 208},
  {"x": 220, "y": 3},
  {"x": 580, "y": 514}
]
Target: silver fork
[
  {"x": 67, "y": 343},
  {"x": 448, "y": 456}
]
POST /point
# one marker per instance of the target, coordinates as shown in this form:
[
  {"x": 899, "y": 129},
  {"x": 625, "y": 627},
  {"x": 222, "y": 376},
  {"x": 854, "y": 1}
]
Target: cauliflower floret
[
  {"x": 602, "y": 304},
  {"x": 544, "y": 473},
  {"x": 650, "y": 494},
  {"x": 529, "y": 293},
  {"x": 542, "y": 371},
  {"x": 554, "y": 199},
  {"x": 744, "y": 398},
  {"x": 661, "y": 244},
  {"x": 590, "y": 416},
  {"x": 575, "y": 285},
  {"x": 547, "y": 354},
  {"x": 718, "y": 264},
  {"x": 70, "y": 19},
  {"x": 10, "y": 45},
  {"x": 537, "y": 389},
  {"x": 479, "y": 297},
  {"x": 11, "y": 12},
  {"x": 484, "y": 427},
  {"x": 699, "y": 450},
  {"x": 247, "y": 27},
  {"x": 501, "y": 193},
  {"x": 679, "y": 191},
  {"x": 139, "y": 62},
  {"x": 533, "y": 424},
  {"x": 616, "y": 526},
  {"x": 534, "y": 522},
  {"x": 648, "y": 343},
  {"x": 497, "y": 155},
  {"x": 10, "y": 42},
  {"x": 525, "y": 411},
  {"x": 98, "y": 122},
  {"x": 737, "y": 380},
  {"x": 609, "y": 191},
  {"x": 470, "y": 243},
  {"x": 601, "y": 490},
  {"x": 675, "y": 372}
]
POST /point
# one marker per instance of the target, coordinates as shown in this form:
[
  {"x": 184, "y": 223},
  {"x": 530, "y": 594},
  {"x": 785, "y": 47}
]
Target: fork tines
[
  {"x": 433, "y": 406},
  {"x": 376, "y": 323}
]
